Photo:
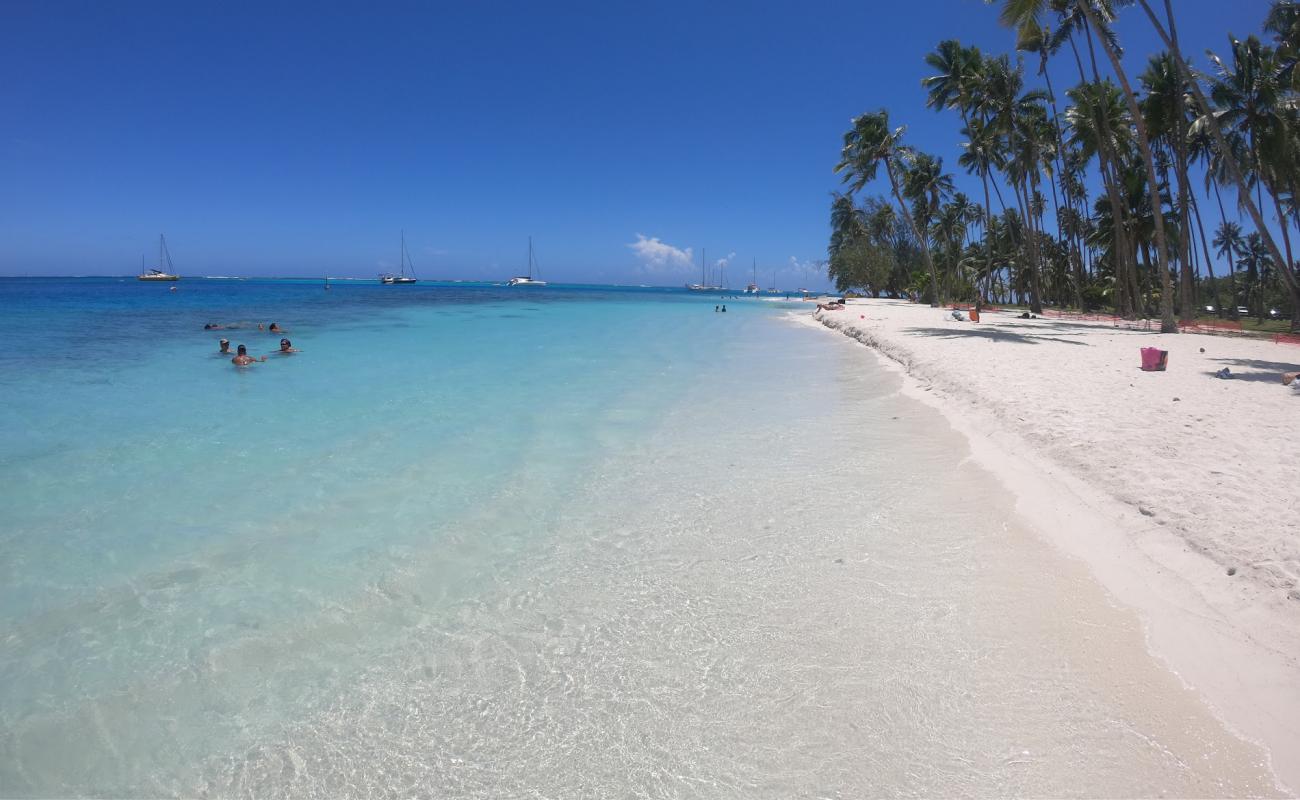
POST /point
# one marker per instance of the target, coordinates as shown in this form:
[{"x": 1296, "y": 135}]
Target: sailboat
[
  {"x": 752, "y": 288},
  {"x": 164, "y": 270},
  {"x": 527, "y": 280},
  {"x": 702, "y": 286},
  {"x": 401, "y": 276}
]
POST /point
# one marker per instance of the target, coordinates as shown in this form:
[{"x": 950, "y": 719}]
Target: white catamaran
[
  {"x": 164, "y": 270},
  {"x": 527, "y": 280},
  {"x": 401, "y": 276}
]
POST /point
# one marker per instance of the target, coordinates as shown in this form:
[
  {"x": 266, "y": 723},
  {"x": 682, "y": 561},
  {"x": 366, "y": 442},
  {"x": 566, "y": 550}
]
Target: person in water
[
  {"x": 225, "y": 347},
  {"x": 724, "y": 309},
  {"x": 286, "y": 347},
  {"x": 243, "y": 359},
  {"x": 212, "y": 326},
  {"x": 275, "y": 328}
]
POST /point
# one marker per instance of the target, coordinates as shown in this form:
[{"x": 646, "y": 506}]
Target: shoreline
[{"x": 1238, "y": 650}]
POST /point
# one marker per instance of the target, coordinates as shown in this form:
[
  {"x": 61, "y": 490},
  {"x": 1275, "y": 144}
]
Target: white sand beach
[{"x": 1179, "y": 489}]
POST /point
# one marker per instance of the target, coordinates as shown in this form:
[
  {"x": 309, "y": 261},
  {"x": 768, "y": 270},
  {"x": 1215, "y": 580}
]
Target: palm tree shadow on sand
[
  {"x": 1259, "y": 371},
  {"x": 994, "y": 334}
]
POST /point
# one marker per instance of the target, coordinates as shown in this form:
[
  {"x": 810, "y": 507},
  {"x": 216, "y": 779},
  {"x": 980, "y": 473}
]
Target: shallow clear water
[{"x": 574, "y": 542}]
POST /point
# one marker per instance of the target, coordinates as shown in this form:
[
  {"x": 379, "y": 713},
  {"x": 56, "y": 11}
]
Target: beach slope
[{"x": 1178, "y": 488}]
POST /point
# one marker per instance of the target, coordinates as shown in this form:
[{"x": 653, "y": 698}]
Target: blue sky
[{"x": 297, "y": 139}]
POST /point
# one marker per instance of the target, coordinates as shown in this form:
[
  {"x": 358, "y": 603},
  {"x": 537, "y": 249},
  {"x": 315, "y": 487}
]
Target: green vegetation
[{"x": 1138, "y": 251}]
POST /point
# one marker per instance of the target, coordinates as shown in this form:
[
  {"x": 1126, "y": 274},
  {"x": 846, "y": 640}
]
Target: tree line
[{"x": 1113, "y": 160}]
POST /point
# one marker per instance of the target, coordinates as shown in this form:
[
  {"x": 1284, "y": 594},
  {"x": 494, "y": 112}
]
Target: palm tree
[
  {"x": 1024, "y": 15},
  {"x": 869, "y": 144},
  {"x": 1255, "y": 258},
  {"x": 1231, "y": 164},
  {"x": 928, "y": 187},
  {"x": 957, "y": 84},
  {"x": 1019, "y": 117},
  {"x": 1228, "y": 242},
  {"x": 848, "y": 223},
  {"x": 1098, "y": 126},
  {"x": 1256, "y": 107},
  {"x": 981, "y": 155},
  {"x": 1165, "y": 108}
]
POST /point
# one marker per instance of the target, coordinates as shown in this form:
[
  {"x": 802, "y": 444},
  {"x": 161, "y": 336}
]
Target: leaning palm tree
[{"x": 869, "y": 144}]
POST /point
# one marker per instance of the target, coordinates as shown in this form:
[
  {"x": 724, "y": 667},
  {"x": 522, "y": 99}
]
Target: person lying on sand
[
  {"x": 831, "y": 306},
  {"x": 243, "y": 359}
]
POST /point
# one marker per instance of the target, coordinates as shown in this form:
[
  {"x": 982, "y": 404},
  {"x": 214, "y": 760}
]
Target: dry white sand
[{"x": 1162, "y": 481}]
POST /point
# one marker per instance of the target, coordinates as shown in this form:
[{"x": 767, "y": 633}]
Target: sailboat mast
[
  {"x": 704, "y": 281},
  {"x": 530, "y": 258},
  {"x": 162, "y": 248}
]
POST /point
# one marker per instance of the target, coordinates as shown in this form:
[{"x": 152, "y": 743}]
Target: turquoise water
[
  {"x": 575, "y": 542},
  {"x": 224, "y": 543}
]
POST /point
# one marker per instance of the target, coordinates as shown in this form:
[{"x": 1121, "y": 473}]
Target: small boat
[
  {"x": 752, "y": 288},
  {"x": 164, "y": 269},
  {"x": 527, "y": 280},
  {"x": 401, "y": 276}
]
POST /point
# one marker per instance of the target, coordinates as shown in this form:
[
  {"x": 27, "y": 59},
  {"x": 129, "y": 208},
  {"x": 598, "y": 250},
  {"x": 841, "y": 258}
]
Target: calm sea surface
[{"x": 485, "y": 542}]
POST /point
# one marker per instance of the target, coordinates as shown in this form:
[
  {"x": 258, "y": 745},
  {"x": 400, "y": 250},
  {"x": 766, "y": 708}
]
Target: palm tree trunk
[
  {"x": 1167, "y": 322},
  {"x": 1187, "y": 282},
  {"x": 1030, "y": 248}
]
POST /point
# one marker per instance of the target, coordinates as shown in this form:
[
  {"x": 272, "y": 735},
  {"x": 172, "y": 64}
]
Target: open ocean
[{"x": 476, "y": 541}]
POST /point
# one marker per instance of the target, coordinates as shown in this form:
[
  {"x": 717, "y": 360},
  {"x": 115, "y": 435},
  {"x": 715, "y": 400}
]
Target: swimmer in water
[
  {"x": 287, "y": 347},
  {"x": 275, "y": 328},
  {"x": 225, "y": 347},
  {"x": 243, "y": 359}
]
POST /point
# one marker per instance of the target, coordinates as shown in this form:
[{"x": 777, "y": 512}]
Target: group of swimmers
[{"x": 241, "y": 356}]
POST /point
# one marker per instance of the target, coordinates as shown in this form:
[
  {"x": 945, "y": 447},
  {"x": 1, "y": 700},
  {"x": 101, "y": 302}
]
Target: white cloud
[
  {"x": 725, "y": 261},
  {"x": 658, "y": 256}
]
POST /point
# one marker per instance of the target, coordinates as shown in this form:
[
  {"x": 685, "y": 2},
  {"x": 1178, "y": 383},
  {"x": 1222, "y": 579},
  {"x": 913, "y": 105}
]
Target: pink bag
[{"x": 1154, "y": 359}]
